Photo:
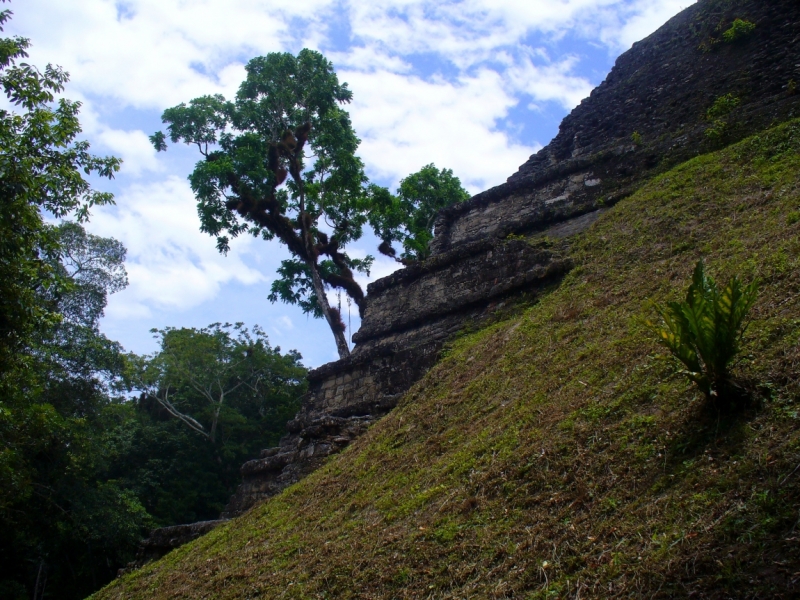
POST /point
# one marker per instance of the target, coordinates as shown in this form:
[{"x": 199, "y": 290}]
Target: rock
[{"x": 163, "y": 540}]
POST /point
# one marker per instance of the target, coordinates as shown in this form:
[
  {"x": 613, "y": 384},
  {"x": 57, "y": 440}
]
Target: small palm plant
[{"x": 705, "y": 331}]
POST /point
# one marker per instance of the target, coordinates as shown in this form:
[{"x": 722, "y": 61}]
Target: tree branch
[{"x": 193, "y": 424}]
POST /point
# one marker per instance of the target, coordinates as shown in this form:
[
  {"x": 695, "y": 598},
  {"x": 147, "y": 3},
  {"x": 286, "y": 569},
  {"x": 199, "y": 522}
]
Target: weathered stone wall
[
  {"x": 661, "y": 90},
  {"x": 163, "y": 540},
  {"x": 409, "y": 317},
  {"x": 447, "y": 283}
]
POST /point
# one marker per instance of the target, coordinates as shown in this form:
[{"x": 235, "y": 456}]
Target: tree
[
  {"x": 65, "y": 523},
  {"x": 287, "y": 111},
  {"x": 211, "y": 378},
  {"x": 178, "y": 471},
  {"x": 42, "y": 168},
  {"x": 409, "y": 217},
  {"x": 49, "y": 390}
]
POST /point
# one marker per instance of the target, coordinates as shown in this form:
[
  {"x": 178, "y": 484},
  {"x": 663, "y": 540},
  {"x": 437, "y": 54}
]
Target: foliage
[
  {"x": 66, "y": 522},
  {"x": 722, "y": 106},
  {"x": 704, "y": 332},
  {"x": 212, "y": 399},
  {"x": 221, "y": 380},
  {"x": 739, "y": 30},
  {"x": 288, "y": 109},
  {"x": 61, "y": 520},
  {"x": 409, "y": 217},
  {"x": 717, "y": 114},
  {"x": 42, "y": 169}
]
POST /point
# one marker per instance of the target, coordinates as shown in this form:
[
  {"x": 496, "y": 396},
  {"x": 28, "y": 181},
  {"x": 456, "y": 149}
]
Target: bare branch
[{"x": 192, "y": 423}]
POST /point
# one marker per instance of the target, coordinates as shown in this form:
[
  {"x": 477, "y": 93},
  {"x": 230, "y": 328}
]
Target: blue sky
[{"x": 476, "y": 86}]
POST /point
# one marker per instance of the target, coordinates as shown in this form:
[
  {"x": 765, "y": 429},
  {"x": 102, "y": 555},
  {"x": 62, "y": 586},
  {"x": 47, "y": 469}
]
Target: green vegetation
[
  {"x": 409, "y": 217},
  {"x": 722, "y": 106},
  {"x": 704, "y": 332},
  {"x": 739, "y": 30},
  {"x": 250, "y": 146},
  {"x": 636, "y": 138},
  {"x": 84, "y": 470},
  {"x": 718, "y": 113},
  {"x": 43, "y": 167},
  {"x": 556, "y": 454},
  {"x": 217, "y": 379}
]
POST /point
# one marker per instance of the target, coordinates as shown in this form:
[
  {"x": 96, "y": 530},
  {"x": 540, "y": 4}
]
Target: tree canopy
[
  {"x": 212, "y": 379},
  {"x": 63, "y": 518},
  {"x": 55, "y": 505},
  {"x": 43, "y": 169},
  {"x": 409, "y": 216},
  {"x": 285, "y": 126}
]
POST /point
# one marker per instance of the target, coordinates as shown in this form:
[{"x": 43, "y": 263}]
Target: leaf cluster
[
  {"x": 704, "y": 332},
  {"x": 42, "y": 170},
  {"x": 408, "y": 217},
  {"x": 739, "y": 30},
  {"x": 220, "y": 380}
]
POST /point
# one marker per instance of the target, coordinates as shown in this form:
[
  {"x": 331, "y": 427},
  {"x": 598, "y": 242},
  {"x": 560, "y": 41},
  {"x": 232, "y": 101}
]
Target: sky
[{"x": 475, "y": 86}]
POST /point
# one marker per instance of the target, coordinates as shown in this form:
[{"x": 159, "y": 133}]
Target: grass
[{"x": 556, "y": 454}]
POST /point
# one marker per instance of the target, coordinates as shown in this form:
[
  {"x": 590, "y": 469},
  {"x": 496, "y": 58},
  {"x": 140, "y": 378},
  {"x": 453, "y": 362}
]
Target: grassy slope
[{"x": 555, "y": 454}]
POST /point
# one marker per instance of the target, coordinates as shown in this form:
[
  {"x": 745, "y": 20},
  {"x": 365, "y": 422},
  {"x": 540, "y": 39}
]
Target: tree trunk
[
  {"x": 215, "y": 420},
  {"x": 311, "y": 261},
  {"x": 322, "y": 299},
  {"x": 41, "y": 581}
]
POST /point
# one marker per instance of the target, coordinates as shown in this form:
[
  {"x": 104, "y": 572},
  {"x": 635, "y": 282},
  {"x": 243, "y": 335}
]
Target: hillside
[{"x": 555, "y": 453}]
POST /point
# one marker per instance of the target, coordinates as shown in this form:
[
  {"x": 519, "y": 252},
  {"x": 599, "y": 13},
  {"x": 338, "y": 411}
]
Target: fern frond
[{"x": 704, "y": 332}]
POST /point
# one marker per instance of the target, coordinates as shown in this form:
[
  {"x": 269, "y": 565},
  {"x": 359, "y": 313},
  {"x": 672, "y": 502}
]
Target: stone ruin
[{"x": 647, "y": 116}]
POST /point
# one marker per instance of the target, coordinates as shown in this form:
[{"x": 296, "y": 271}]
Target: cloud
[
  {"x": 133, "y": 147},
  {"x": 282, "y": 325},
  {"x": 472, "y": 31},
  {"x": 156, "y": 53},
  {"x": 171, "y": 264},
  {"x": 406, "y": 122},
  {"x": 642, "y": 19}
]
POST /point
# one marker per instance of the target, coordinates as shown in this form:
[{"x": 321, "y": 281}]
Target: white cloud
[
  {"x": 133, "y": 147},
  {"x": 406, "y": 122},
  {"x": 155, "y": 53},
  {"x": 171, "y": 264},
  {"x": 282, "y": 326},
  {"x": 473, "y": 30},
  {"x": 550, "y": 82}
]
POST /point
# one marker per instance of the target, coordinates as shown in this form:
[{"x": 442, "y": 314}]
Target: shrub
[
  {"x": 739, "y": 30},
  {"x": 705, "y": 331},
  {"x": 717, "y": 114},
  {"x": 722, "y": 106}
]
